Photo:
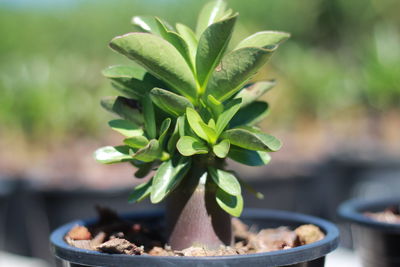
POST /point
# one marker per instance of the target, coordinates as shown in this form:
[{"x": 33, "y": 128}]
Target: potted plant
[
  {"x": 375, "y": 226},
  {"x": 185, "y": 110}
]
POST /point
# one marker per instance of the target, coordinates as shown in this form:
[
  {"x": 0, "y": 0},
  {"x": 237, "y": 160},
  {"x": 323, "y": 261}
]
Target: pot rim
[
  {"x": 276, "y": 258},
  {"x": 352, "y": 210}
]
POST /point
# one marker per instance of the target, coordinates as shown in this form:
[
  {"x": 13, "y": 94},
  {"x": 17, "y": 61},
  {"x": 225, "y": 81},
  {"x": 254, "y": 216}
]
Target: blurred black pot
[
  {"x": 311, "y": 255},
  {"x": 377, "y": 243}
]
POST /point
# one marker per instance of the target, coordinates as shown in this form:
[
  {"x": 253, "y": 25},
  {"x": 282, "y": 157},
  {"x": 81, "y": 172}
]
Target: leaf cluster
[{"x": 190, "y": 100}]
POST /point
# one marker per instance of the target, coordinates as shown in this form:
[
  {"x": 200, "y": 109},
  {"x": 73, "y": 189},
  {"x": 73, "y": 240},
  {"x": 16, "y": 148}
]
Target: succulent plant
[{"x": 190, "y": 105}]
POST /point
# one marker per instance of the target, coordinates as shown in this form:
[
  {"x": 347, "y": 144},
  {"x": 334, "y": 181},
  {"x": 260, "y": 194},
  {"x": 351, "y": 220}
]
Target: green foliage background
[{"x": 342, "y": 54}]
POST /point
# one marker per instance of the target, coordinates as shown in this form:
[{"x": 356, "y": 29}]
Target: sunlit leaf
[
  {"x": 149, "y": 117},
  {"x": 264, "y": 39},
  {"x": 249, "y": 157},
  {"x": 145, "y": 24},
  {"x": 252, "y": 140},
  {"x": 150, "y": 152},
  {"x": 210, "y": 13},
  {"x": 176, "y": 40},
  {"x": 216, "y": 106},
  {"x": 112, "y": 154},
  {"x": 136, "y": 141},
  {"x": 126, "y": 128},
  {"x": 190, "y": 38},
  {"x": 225, "y": 117},
  {"x": 235, "y": 69},
  {"x": 189, "y": 146},
  {"x": 229, "y": 203},
  {"x": 132, "y": 81},
  {"x": 222, "y": 148},
  {"x": 250, "y": 115},
  {"x": 211, "y": 47},
  {"x": 163, "y": 131},
  {"x": 160, "y": 58},
  {"x": 199, "y": 127},
  {"x": 125, "y": 108},
  {"x": 167, "y": 177},
  {"x": 225, "y": 180},
  {"x": 170, "y": 102}
]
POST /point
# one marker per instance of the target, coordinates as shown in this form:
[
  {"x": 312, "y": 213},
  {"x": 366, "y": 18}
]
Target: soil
[
  {"x": 115, "y": 235},
  {"x": 389, "y": 215}
]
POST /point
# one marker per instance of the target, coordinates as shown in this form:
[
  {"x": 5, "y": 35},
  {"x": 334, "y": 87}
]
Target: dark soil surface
[
  {"x": 117, "y": 236},
  {"x": 390, "y": 215}
]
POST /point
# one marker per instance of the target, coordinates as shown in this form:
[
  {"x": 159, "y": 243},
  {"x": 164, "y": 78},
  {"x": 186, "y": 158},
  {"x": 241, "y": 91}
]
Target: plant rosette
[{"x": 188, "y": 105}]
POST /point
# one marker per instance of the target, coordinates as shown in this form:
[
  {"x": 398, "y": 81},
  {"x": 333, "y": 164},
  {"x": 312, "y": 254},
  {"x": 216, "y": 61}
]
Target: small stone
[
  {"x": 83, "y": 244},
  {"x": 120, "y": 246},
  {"x": 98, "y": 240},
  {"x": 308, "y": 233},
  {"x": 79, "y": 233},
  {"x": 194, "y": 252},
  {"x": 159, "y": 251},
  {"x": 272, "y": 239}
]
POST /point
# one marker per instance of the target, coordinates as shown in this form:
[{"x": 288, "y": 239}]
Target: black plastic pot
[
  {"x": 312, "y": 255},
  {"x": 377, "y": 243}
]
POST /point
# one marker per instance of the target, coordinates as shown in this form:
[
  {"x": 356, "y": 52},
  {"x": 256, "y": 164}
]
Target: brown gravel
[
  {"x": 390, "y": 215},
  {"x": 116, "y": 236}
]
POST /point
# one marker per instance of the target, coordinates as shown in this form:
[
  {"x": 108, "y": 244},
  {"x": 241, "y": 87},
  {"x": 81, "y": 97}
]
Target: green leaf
[
  {"x": 229, "y": 111},
  {"x": 163, "y": 131},
  {"x": 141, "y": 191},
  {"x": 126, "y": 79},
  {"x": 226, "y": 181},
  {"x": 210, "y": 13},
  {"x": 148, "y": 153},
  {"x": 175, "y": 135},
  {"x": 123, "y": 107},
  {"x": 212, "y": 45},
  {"x": 250, "y": 115},
  {"x": 146, "y": 24},
  {"x": 253, "y": 91},
  {"x": 227, "y": 13},
  {"x": 190, "y": 38},
  {"x": 235, "y": 69},
  {"x": 149, "y": 117},
  {"x": 265, "y": 39},
  {"x": 211, "y": 123},
  {"x": 136, "y": 141},
  {"x": 176, "y": 40},
  {"x": 247, "y": 139},
  {"x": 249, "y": 157},
  {"x": 160, "y": 58},
  {"x": 189, "y": 146},
  {"x": 199, "y": 127},
  {"x": 167, "y": 177},
  {"x": 112, "y": 154},
  {"x": 229, "y": 203},
  {"x": 144, "y": 169},
  {"x": 221, "y": 150},
  {"x": 126, "y": 128},
  {"x": 216, "y": 106},
  {"x": 170, "y": 102}
]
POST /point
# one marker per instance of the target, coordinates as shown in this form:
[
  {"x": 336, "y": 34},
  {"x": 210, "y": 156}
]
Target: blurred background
[{"x": 336, "y": 107}]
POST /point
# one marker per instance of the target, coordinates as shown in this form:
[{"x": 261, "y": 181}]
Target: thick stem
[{"x": 193, "y": 217}]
